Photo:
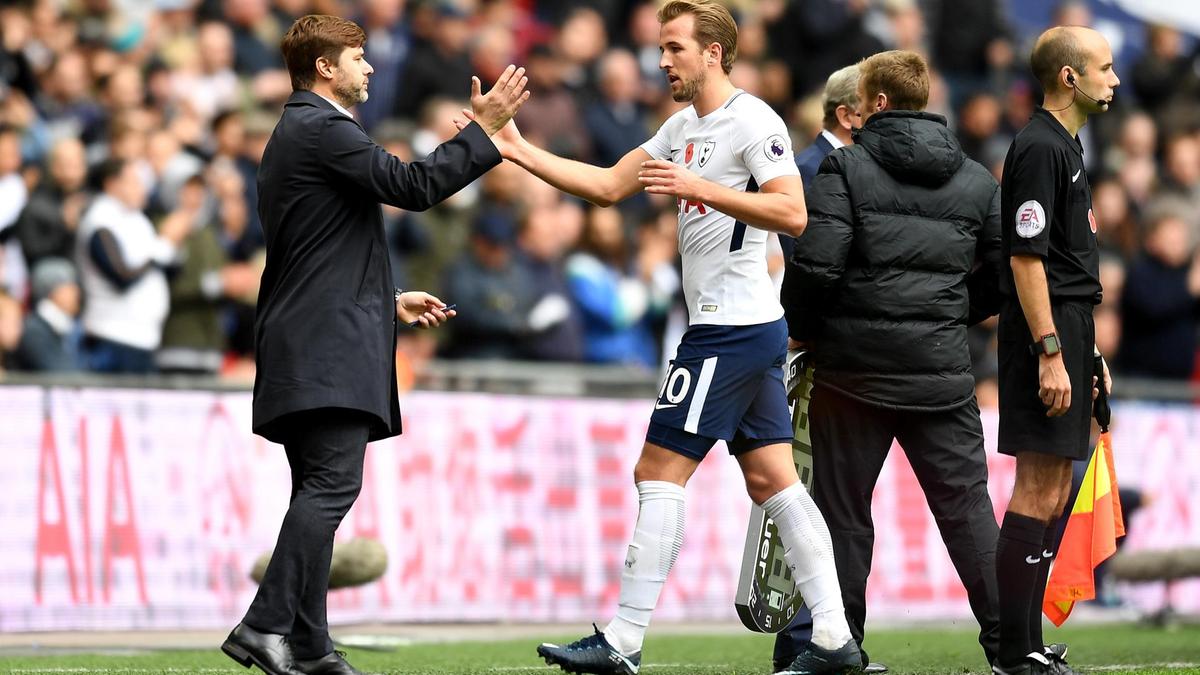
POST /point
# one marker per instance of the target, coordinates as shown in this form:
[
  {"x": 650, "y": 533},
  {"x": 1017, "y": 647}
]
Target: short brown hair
[
  {"x": 1054, "y": 49},
  {"x": 714, "y": 23},
  {"x": 902, "y": 75},
  {"x": 312, "y": 37}
]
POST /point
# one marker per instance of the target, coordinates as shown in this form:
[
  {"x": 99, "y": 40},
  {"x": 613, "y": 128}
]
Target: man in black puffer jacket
[{"x": 901, "y": 254}]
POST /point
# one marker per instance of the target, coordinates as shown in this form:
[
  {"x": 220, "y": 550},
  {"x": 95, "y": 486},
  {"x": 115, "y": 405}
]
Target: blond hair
[
  {"x": 714, "y": 23},
  {"x": 902, "y": 75}
]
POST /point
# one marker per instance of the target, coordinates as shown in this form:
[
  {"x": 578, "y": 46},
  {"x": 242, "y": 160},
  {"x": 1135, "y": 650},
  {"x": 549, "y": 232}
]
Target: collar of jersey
[{"x": 1058, "y": 127}]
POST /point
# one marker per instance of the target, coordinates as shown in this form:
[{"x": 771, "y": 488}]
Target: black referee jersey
[{"x": 1046, "y": 210}]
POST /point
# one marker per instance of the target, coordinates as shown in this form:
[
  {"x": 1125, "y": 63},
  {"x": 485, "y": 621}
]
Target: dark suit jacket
[
  {"x": 326, "y": 328},
  {"x": 808, "y": 161}
]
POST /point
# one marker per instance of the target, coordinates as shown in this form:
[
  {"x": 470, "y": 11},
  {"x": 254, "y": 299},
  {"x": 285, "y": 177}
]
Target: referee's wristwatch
[{"x": 1047, "y": 345}]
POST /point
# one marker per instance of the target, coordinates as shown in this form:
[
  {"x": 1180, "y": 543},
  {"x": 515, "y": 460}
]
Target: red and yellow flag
[{"x": 1090, "y": 537}]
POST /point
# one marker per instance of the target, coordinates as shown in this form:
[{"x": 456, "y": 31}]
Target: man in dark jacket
[
  {"x": 878, "y": 288},
  {"x": 46, "y": 227},
  {"x": 327, "y": 312}
]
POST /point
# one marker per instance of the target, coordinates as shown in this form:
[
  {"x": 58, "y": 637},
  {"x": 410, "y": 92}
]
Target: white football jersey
[{"x": 741, "y": 145}]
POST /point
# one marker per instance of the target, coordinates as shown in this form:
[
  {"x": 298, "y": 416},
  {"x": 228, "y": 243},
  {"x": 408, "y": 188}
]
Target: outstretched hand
[
  {"x": 422, "y": 309},
  {"x": 506, "y": 140},
  {"x": 494, "y": 109}
]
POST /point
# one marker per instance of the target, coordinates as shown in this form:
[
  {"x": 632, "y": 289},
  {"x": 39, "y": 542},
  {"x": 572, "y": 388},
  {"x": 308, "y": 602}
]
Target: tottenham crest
[{"x": 706, "y": 151}]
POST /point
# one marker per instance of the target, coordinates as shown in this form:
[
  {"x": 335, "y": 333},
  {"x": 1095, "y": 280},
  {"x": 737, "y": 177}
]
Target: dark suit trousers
[
  {"x": 325, "y": 449},
  {"x": 850, "y": 441}
]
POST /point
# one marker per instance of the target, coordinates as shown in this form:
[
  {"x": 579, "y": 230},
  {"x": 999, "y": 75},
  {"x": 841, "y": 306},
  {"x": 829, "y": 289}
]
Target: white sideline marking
[
  {"x": 1174, "y": 665},
  {"x": 645, "y": 666}
]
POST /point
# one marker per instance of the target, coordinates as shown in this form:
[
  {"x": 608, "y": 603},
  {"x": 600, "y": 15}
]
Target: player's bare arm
[
  {"x": 599, "y": 185},
  {"x": 777, "y": 207},
  {"x": 1054, "y": 386}
]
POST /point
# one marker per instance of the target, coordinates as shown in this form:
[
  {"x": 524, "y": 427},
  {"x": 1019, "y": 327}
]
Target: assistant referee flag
[{"x": 1092, "y": 529}]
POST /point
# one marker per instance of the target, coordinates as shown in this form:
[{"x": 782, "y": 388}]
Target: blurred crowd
[{"x": 130, "y": 134}]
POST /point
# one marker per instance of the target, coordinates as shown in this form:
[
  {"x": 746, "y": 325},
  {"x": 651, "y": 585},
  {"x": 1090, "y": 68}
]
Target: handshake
[{"x": 496, "y": 108}]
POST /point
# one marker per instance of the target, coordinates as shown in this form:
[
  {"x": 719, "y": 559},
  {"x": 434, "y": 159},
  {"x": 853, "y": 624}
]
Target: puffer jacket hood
[{"x": 914, "y": 147}]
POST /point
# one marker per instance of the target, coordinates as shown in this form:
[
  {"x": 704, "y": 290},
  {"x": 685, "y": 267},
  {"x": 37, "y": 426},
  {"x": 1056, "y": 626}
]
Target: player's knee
[{"x": 761, "y": 485}]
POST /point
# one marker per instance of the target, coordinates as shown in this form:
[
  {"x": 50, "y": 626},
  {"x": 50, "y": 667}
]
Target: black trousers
[
  {"x": 325, "y": 449},
  {"x": 850, "y": 442}
]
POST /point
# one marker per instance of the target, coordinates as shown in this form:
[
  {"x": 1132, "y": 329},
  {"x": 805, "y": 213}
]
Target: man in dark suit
[
  {"x": 840, "y": 104},
  {"x": 327, "y": 316}
]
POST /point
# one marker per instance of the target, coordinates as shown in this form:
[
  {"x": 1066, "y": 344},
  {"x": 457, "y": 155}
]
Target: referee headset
[{"x": 1075, "y": 88}]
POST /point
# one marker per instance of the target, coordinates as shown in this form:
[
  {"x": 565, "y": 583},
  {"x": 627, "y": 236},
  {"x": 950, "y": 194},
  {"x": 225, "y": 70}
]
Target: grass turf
[{"x": 1120, "y": 648}]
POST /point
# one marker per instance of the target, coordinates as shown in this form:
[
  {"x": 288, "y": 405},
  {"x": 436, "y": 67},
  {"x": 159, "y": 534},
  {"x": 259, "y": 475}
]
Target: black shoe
[
  {"x": 816, "y": 661},
  {"x": 872, "y": 667},
  {"x": 269, "y": 652},
  {"x": 1056, "y": 654},
  {"x": 1033, "y": 664},
  {"x": 591, "y": 654},
  {"x": 333, "y": 663}
]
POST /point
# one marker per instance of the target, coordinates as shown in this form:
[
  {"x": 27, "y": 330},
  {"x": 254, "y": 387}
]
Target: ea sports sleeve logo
[
  {"x": 775, "y": 148},
  {"x": 1031, "y": 219}
]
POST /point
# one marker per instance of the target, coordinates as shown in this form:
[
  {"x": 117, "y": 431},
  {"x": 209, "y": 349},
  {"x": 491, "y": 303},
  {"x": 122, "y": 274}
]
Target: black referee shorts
[{"x": 1024, "y": 426}]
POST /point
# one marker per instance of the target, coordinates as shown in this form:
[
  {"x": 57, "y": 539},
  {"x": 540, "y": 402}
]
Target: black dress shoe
[
  {"x": 330, "y": 664},
  {"x": 269, "y": 652}
]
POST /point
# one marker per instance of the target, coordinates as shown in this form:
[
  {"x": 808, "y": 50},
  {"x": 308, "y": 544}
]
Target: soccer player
[
  {"x": 1046, "y": 331},
  {"x": 727, "y": 161}
]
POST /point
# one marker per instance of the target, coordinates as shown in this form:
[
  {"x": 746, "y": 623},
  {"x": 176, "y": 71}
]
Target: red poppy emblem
[
  {"x": 687, "y": 154},
  {"x": 1092, "y": 221}
]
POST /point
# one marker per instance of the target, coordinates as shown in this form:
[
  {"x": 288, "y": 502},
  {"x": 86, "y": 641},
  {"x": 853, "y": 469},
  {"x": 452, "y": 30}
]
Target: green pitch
[{"x": 1094, "y": 649}]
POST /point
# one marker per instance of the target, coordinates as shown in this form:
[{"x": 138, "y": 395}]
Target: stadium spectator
[
  {"x": 256, "y": 33},
  {"x": 818, "y": 37},
  {"x": 10, "y": 329},
  {"x": 616, "y": 296},
  {"x": 121, "y": 262},
  {"x": 388, "y": 47},
  {"x": 439, "y": 65},
  {"x": 616, "y": 122},
  {"x": 543, "y": 241},
  {"x": 979, "y": 131},
  {"x": 1117, "y": 230},
  {"x": 207, "y": 83},
  {"x": 194, "y": 335},
  {"x": 1164, "y": 74},
  {"x": 879, "y": 377},
  {"x": 1161, "y": 302},
  {"x": 46, "y": 227},
  {"x": 1181, "y": 164},
  {"x": 64, "y": 99},
  {"x": 552, "y": 118},
  {"x": 14, "y": 193},
  {"x": 495, "y": 293},
  {"x": 51, "y": 337}
]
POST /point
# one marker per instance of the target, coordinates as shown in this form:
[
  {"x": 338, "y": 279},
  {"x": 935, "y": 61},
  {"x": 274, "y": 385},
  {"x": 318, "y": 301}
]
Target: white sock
[
  {"x": 808, "y": 550},
  {"x": 655, "y": 546}
]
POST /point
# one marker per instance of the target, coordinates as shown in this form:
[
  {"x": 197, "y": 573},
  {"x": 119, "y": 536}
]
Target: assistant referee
[{"x": 1046, "y": 334}]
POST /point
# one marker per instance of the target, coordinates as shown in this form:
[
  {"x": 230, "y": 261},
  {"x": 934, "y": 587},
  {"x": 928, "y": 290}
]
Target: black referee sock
[
  {"x": 1018, "y": 563},
  {"x": 1049, "y": 542}
]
